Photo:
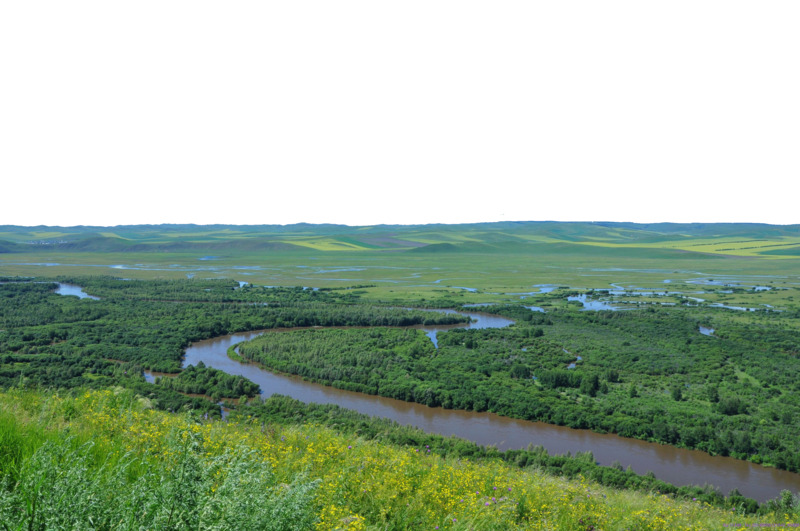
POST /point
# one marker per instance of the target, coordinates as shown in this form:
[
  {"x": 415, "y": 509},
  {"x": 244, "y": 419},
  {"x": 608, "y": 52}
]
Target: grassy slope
[
  {"x": 730, "y": 238},
  {"x": 105, "y": 455}
]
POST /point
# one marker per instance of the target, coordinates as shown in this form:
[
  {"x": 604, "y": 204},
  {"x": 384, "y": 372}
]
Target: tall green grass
[
  {"x": 101, "y": 460},
  {"x": 70, "y": 477}
]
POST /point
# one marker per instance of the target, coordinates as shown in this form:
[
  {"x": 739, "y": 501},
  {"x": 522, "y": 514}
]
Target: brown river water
[{"x": 674, "y": 465}]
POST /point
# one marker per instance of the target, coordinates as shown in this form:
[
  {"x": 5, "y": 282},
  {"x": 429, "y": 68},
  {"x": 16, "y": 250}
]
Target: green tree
[{"x": 677, "y": 394}]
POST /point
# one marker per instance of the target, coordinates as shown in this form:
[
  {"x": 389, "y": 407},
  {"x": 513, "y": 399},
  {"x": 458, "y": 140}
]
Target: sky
[{"x": 369, "y": 112}]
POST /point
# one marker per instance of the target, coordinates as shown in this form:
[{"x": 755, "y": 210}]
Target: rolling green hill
[{"x": 740, "y": 239}]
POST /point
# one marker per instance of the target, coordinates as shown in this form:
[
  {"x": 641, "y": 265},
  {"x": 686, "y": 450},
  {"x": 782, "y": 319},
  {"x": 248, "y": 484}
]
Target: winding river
[{"x": 674, "y": 465}]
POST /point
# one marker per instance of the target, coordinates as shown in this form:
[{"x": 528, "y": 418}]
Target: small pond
[
  {"x": 76, "y": 291},
  {"x": 593, "y": 305},
  {"x": 706, "y": 331}
]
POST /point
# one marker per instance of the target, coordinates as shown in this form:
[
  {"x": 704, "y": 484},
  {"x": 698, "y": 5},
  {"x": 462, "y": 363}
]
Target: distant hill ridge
[{"x": 752, "y": 239}]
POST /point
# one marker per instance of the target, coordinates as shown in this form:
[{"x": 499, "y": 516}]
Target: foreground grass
[{"x": 104, "y": 460}]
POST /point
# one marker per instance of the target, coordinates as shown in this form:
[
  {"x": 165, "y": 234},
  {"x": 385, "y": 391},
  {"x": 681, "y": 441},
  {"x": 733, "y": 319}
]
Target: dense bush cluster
[
  {"x": 645, "y": 374},
  {"x": 61, "y": 341}
]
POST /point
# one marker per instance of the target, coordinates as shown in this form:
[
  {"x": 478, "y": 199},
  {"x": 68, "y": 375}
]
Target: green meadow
[{"x": 478, "y": 263}]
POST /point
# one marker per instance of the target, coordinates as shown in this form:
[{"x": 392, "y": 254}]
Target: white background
[{"x": 366, "y": 112}]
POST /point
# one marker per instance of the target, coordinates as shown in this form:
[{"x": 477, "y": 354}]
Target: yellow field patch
[
  {"x": 723, "y": 246},
  {"x": 47, "y": 235},
  {"x": 327, "y": 244},
  {"x": 436, "y": 237}
]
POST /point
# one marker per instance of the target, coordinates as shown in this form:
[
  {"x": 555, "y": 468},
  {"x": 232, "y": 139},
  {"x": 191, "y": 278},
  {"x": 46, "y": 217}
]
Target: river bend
[{"x": 674, "y": 465}]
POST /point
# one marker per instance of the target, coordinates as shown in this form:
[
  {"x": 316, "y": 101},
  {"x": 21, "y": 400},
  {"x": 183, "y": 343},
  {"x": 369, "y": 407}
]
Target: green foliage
[
  {"x": 677, "y": 394},
  {"x": 61, "y": 487},
  {"x": 211, "y": 382},
  {"x": 52, "y": 340},
  {"x": 629, "y": 362}
]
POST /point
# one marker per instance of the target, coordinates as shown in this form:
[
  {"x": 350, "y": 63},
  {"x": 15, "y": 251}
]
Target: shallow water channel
[{"x": 675, "y": 465}]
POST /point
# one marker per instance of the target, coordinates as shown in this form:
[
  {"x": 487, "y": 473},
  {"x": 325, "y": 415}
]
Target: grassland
[
  {"x": 469, "y": 263},
  {"x": 105, "y": 460}
]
